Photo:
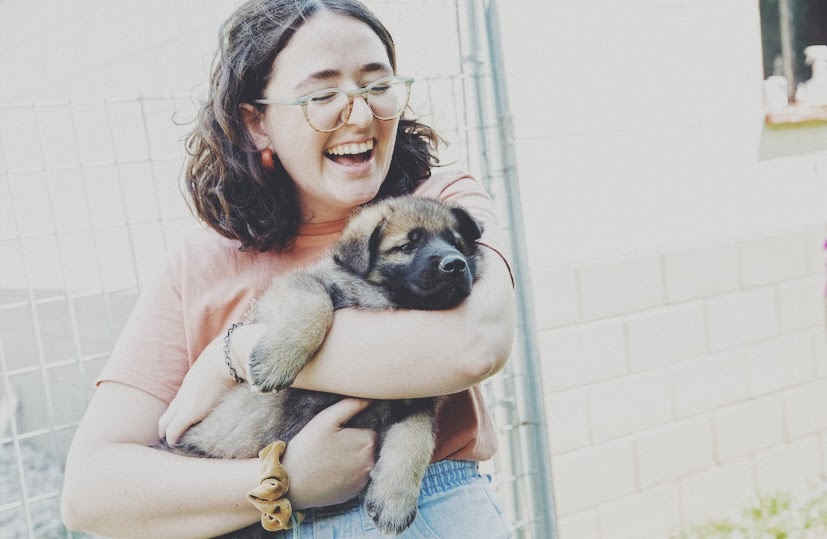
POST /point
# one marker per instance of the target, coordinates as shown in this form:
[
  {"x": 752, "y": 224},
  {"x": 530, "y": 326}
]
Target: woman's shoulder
[
  {"x": 202, "y": 250},
  {"x": 202, "y": 242}
]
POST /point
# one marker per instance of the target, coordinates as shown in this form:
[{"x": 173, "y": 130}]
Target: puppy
[{"x": 401, "y": 253}]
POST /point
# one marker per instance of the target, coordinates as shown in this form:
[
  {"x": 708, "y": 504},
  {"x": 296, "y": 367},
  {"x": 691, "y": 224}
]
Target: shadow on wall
[{"x": 784, "y": 140}]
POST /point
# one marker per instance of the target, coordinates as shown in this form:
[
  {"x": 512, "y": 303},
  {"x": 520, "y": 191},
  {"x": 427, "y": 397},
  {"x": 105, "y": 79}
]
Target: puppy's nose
[{"x": 452, "y": 264}]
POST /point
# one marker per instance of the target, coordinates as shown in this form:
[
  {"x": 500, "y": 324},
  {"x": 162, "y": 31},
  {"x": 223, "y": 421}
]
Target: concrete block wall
[
  {"x": 674, "y": 244},
  {"x": 681, "y": 384}
]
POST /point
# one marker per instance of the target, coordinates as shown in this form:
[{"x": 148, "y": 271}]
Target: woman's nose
[{"x": 360, "y": 114}]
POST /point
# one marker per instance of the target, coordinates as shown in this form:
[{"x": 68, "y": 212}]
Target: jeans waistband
[
  {"x": 447, "y": 474},
  {"x": 439, "y": 477}
]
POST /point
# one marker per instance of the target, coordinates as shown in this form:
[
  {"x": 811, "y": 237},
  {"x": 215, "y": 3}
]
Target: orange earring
[{"x": 267, "y": 159}]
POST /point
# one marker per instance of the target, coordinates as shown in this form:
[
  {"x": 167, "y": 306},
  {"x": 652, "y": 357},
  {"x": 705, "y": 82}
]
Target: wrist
[{"x": 243, "y": 340}]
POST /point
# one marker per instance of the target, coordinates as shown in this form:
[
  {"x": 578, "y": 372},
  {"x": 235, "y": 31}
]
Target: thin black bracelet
[{"x": 227, "y": 352}]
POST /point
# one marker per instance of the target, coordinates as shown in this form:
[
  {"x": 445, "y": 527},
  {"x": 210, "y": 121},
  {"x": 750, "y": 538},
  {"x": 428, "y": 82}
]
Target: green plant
[{"x": 779, "y": 516}]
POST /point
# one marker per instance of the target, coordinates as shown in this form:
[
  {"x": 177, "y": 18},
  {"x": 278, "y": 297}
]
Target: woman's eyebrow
[{"x": 328, "y": 74}]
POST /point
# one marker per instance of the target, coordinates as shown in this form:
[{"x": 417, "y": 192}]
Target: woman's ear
[{"x": 254, "y": 120}]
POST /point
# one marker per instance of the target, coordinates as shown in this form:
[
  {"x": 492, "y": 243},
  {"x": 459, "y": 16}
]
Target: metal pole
[
  {"x": 509, "y": 455},
  {"x": 530, "y": 396},
  {"x": 787, "y": 52}
]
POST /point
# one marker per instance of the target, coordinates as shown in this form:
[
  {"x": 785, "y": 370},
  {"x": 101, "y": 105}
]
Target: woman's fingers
[
  {"x": 338, "y": 414},
  {"x": 178, "y": 425},
  {"x": 166, "y": 418}
]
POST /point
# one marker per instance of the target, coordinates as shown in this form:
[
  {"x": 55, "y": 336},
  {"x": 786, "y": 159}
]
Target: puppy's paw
[
  {"x": 393, "y": 508},
  {"x": 267, "y": 373}
]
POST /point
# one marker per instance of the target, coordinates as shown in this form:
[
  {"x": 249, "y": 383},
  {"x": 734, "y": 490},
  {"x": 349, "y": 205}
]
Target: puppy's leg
[
  {"x": 298, "y": 312},
  {"x": 396, "y": 479}
]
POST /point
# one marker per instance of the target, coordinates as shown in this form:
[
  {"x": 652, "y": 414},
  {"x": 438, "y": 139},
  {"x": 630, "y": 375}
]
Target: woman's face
[{"x": 328, "y": 51}]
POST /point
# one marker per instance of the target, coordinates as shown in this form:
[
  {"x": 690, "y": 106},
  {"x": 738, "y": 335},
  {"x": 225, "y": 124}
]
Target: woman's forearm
[
  {"x": 117, "y": 486},
  {"x": 411, "y": 354},
  {"x": 164, "y": 496}
]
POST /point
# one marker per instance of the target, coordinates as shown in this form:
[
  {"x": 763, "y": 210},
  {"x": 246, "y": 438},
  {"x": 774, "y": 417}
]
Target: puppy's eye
[{"x": 407, "y": 248}]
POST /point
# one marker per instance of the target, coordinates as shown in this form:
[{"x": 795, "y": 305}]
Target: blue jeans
[{"x": 455, "y": 502}]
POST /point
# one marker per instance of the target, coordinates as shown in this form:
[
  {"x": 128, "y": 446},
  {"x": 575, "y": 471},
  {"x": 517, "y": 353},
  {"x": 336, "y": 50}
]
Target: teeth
[{"x": 351, "y": 149}]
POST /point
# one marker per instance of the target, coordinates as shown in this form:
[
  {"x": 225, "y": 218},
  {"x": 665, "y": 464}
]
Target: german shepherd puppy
[{"x": 401, "y": 253}]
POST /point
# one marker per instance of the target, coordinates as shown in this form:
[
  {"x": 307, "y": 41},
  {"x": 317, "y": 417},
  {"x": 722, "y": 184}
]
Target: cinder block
[
  {"x": 675, "y": 450},
  {"x": 823, "y": 440},
  {"x": 748, "y": 427},
  {"x": 578, "y": 526},
  {"x": 741, "y": 317},
  {"x": 666, "y": 336},
  {"x": 582, "y": 355},
  {"x": 709, "y": 382},
  {"x": 594, "y": 475},
  {"x": 779, "y": 363},
  {"x": 773, "y": 259},
  {"x": 700, "y": 272},
  {"x": 653, "y": 513},
  {"x": 820, "y": 350},
  {"x": 795, "y": 467},
  {"x": 620, "y": 286},
  {"x": 555, "y": 297},
  {"x": 806, "y": 409},
  {"x": 801, "y": 304},
  {"x": 716, "y": 492},
  {"x": 630, "y": 404},
  {"x": 813, "y": 238},
  {"x": 567, "y": 414}
]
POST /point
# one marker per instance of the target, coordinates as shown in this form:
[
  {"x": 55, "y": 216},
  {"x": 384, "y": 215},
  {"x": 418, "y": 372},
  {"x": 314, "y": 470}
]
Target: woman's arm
[
  {"x": 117, "y": 487},
  {"x": 409, "y": 353}
]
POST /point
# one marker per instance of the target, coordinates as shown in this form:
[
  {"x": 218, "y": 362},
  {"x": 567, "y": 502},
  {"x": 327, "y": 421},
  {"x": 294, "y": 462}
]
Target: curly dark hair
[{"x": 227, "y": 186}]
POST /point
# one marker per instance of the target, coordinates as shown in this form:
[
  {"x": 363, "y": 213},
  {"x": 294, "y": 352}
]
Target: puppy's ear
[
  {"x": 356, "y": 252},
  {"x": 469, "y": 228}
]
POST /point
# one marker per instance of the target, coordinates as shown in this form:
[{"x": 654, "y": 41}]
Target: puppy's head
[{"x": 422, "y": 252}]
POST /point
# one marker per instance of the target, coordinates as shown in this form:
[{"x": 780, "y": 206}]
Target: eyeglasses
[{"x": 328, "y": 110}]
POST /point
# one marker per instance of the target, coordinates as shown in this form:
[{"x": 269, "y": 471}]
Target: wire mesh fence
[{"x": 90, "y": 202}]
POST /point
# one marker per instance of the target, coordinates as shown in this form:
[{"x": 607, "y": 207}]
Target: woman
[{"x": 274, "y": 177}]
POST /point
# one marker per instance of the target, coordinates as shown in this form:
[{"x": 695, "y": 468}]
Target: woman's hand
[
  {"x": 328, "y": 463},
  {"x": 206, "y": 382}
]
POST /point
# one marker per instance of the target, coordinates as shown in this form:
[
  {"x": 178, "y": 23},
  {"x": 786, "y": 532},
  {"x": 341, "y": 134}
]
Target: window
[{"x": 794, "y": 36}]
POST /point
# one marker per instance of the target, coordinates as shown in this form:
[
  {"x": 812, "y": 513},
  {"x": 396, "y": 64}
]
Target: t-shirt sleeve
[
  {"x": 466, "y": 191},
  {"x": 151, "y": 353}
]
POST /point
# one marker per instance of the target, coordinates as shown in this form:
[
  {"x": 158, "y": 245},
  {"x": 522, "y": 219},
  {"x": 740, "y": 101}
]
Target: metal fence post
[{"x": 535, "y": 466}]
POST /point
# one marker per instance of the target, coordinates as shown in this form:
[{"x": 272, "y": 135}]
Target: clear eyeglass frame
[{"x": 363, "y": 92}]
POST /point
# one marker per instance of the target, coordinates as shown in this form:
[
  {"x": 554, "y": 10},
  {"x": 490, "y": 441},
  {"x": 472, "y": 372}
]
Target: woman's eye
[
  {"x": 324, "y": 97},
  {"x": 381, "y": 89},
  {"x": 407, "y": 248}
]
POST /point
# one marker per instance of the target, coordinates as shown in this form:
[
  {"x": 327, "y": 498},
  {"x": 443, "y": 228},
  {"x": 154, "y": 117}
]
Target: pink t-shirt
[{"x": 208, "y": 284}]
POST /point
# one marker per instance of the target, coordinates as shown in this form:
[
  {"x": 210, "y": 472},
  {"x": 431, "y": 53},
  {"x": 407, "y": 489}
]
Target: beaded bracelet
[{"x": 227, "y": 359}]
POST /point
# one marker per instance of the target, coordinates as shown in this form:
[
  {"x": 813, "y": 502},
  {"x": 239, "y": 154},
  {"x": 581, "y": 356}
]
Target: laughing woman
[{"x": 292, "y": 140}]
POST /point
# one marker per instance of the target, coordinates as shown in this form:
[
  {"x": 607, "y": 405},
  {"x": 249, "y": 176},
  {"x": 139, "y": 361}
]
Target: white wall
[
  {"x": 675, "y": 249},
  {"x": 640, "y": 125}
]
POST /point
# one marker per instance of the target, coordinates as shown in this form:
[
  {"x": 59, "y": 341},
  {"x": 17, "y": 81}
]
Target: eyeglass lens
[{"x": 325, "y": 111}]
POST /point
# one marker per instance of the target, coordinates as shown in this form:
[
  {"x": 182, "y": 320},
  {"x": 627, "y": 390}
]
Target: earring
[{"x": 267, "y": 159}]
